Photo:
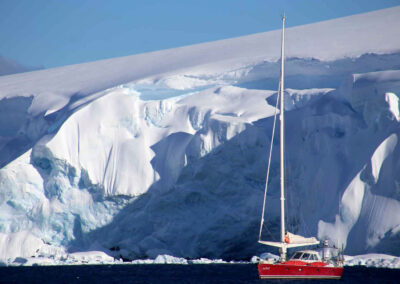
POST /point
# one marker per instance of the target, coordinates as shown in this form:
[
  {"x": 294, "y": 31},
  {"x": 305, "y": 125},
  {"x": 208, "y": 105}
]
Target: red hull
[{"x": 292, "y": 271}]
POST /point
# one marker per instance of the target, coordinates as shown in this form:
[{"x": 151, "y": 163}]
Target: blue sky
[{"x": 54, "y": 33}]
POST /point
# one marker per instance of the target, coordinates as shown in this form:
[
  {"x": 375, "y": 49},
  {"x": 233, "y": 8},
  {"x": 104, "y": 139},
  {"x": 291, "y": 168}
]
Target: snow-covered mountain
[
  {"x": 9, "y": 66},
  {"x": 165, "y": 152}
]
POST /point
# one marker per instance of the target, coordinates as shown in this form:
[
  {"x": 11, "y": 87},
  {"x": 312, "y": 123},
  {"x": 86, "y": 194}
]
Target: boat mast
[
  {"x": 282, "y": 245},
  {"x": 282, "y": 133}
]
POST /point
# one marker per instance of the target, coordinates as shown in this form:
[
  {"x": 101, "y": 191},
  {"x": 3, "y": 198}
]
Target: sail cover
[{"x": 297, "y": 239}]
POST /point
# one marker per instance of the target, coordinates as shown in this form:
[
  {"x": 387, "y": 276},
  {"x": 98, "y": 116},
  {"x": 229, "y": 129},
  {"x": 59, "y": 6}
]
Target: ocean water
[{"x": 172, "y": 273}]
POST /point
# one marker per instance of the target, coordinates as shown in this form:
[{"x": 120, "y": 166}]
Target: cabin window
[
  {"x": 297, "y": 255},
  {"x": 305, "y": 256},
  {"x": 313, "y": 257}
]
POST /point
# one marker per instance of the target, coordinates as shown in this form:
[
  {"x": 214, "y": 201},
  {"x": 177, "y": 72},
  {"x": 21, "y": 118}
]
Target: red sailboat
[{"x": 314, "y": 264}]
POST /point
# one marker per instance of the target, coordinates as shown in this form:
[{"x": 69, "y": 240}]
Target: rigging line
[
  {"x": 340, "y": 233},
  {"x": 288, "y": 197},
  {"x": 287, "y": 200},
  {"x": 269, "y": 162}
]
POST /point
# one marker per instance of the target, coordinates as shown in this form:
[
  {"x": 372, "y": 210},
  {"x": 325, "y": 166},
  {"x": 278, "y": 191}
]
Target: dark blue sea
[{"x": 171, "y": 273}]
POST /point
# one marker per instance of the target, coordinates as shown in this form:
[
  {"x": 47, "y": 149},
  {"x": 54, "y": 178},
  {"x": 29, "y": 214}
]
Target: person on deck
[{"x": 287, "y": 240}]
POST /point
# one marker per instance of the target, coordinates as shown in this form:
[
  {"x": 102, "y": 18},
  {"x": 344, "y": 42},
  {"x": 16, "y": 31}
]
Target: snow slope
[{"x": 165, "y": 153}]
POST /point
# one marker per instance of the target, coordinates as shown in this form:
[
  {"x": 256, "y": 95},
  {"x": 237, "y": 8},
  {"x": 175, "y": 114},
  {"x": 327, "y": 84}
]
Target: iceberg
[{"x": 164, "y": 153}]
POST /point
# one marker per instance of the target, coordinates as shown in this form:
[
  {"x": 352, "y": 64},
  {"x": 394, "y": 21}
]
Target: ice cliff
[{"x": 165, "y": 152}]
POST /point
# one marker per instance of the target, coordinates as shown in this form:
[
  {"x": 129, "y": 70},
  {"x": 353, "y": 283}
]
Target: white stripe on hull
[{"x": 299, "y": 277}]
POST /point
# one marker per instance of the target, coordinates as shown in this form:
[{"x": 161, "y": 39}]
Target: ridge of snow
[
  {"x": 381, "y": 153},
  {"x": 326, "y": 41}
]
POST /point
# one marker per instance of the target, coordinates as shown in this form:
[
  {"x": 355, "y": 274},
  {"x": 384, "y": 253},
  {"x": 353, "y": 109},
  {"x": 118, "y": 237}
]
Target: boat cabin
[{"x": 306, "y": 255}]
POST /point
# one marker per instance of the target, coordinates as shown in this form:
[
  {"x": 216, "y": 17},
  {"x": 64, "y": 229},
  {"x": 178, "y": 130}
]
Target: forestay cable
[{"x": 269, "y": 162}]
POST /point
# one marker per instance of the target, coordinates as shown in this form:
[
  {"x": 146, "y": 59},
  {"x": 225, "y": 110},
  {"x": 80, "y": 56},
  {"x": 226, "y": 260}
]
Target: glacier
[{"x": 165, "y": 153}]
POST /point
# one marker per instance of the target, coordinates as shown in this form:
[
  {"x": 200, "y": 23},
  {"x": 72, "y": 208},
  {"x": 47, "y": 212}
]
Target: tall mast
[
  {"x": 282, "y": 245},
  {"x": 282, "y": 132}
]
